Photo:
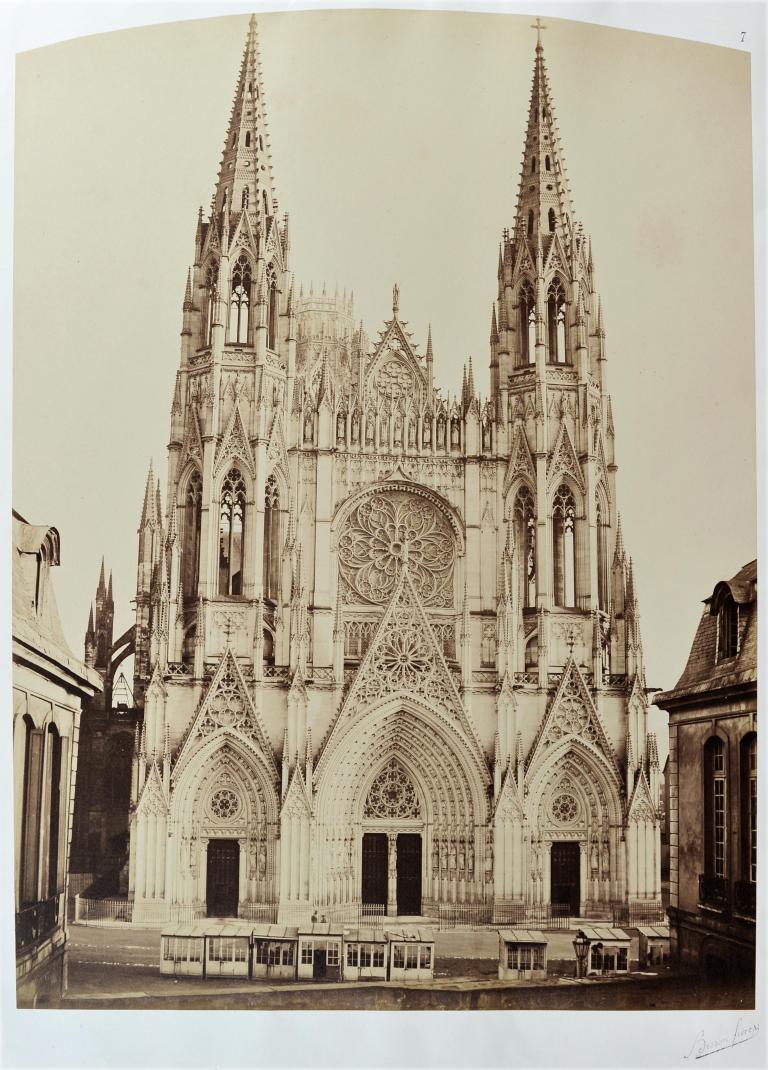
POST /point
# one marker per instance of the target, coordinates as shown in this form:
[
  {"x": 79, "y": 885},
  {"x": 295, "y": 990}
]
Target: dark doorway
[
  {"x": 318, "y": 963},
  {"x": 565, "y": 876},
  {"x": 223, "y": 878},
  {"x": 409, "y": 873},
  {"x": 375, "y": 867}
]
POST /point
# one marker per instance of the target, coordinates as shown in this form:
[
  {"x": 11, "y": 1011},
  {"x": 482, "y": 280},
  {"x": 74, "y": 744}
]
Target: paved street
[{"x": 119, "y": 968}]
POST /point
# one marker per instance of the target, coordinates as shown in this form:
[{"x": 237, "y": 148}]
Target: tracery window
[
  {"x": 240, "y": 301},
  {"x": 271, "y": 558},
  {"x": 271, "y": 311},
  {"x": 392, "y": 794},
  {"x": 211, "y": 283},
  {"x": 714, "y": 807},
  {"x": 384, "y": 532},
  {"x": 556, "y": 322},
  {"x": 525, "y": 541},
  {"x": 727, "y": 629},
  {"x": 527, "y": 325},
  {"x": 191, "y": 552},
  {"x": 564, "y": 547},
  {"x": 231, "y": 534}
]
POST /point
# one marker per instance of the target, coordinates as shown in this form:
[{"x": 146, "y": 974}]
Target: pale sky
[{"x": 396, "y": 142}]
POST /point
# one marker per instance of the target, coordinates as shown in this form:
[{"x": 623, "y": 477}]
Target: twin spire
[
  {"x": 544, "y": 197},
  {"x": 245, "y": 179}
]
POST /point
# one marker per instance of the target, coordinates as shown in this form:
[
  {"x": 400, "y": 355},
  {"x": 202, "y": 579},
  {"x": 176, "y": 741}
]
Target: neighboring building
[
  {"x": 107, "y": 742},
  {"x": 49, "y": 685},
  {"x": 713, "y": 784},
  {"x": 387, "y": 645}
]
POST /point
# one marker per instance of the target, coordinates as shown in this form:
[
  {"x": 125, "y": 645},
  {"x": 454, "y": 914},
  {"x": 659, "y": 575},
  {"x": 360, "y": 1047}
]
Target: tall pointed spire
[
  {"x": 148, "y": 509},
  {"x": 245, "y": 177},
  {"x": 544, "y": 198}
]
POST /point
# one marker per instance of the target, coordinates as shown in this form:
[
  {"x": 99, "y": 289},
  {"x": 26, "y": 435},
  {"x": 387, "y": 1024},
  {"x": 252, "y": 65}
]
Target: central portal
[
  {"x": 409, "y": 873},
  {"x": 222, "y": 878}
]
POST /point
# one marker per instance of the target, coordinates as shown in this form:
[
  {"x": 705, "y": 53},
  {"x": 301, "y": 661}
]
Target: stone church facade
[{"x": 387, "y": 645}]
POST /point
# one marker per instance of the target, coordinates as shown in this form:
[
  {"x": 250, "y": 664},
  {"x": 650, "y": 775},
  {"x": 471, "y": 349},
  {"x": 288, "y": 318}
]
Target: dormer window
[{"x": 727, "y": 629}]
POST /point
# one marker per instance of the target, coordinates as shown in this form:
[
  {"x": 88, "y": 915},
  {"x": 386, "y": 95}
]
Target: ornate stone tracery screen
[{"x": 381, "y": 533}]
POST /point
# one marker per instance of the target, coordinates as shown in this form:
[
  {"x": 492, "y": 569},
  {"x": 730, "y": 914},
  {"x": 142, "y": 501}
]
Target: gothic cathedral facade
[{"x": 387, "y": 645}]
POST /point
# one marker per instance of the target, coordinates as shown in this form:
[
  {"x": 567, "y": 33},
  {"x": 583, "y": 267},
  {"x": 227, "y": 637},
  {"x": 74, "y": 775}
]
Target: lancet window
[
  {"x": 191, "y": 551},
  {"x": 211, "y": 282},
  {"x": 271, "y": 538},
  {"x": 602, "y": 555},
  {"x": 246, "y": 194},
  {"x": 240, "y": 301},
  {"x": 556, "y": 322},
  {"x": 525, "y": 541},
  {"x": 552, "y": 220},
  {"x": 564, "y": 547},
  {"x": 231, "y": 534},
  {"x": 527, "y": 307}
]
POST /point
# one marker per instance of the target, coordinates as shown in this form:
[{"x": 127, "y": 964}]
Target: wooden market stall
[
  {"x": 319, "y": 954},
  {"x": 228, "y": 948},
  {"x": 522, "y": 954},
  {"x": 365, "y": 955},
  {"x": 274, "y": 951},
  {"x": 608, "y": 950},
  {"x": 411, "y": 954},
  {"x": 654, "y": 944},
  {"x": 182, "y": 950}
]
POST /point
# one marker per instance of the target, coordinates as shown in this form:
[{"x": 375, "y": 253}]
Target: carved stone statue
[{"x": 355, "y": 429}]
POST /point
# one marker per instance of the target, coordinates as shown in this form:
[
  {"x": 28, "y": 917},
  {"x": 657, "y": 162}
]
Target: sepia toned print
[{"x": 388, "y": 719}]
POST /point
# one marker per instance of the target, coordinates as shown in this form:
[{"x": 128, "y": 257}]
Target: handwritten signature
[{"x": 702, "y": 1047}]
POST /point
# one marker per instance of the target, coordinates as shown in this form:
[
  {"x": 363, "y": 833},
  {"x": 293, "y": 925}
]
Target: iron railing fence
[
  {"x": 493, "y": 915},
  {"x": 638, "y": 912}
]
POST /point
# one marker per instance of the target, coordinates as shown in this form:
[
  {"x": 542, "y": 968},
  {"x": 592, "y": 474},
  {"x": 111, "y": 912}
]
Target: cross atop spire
[
  {"x": 544, "y": 197},
  {"x": 538, "y": 26}
]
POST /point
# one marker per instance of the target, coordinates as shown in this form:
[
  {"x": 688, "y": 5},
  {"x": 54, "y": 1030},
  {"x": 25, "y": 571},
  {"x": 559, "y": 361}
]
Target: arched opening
[
  {"x": 231, "y": 534},
  {"x": 727, "y": 628},
  {"x": 715, "y": 796},
  {"x": 564, "y": 547},
  {"x": 532, "y": 653},
  {"x": 552, "y": 221},
  {"x": 547, "y": 163},
  {"x": 272, "y": 312},
  {"x": 211, "y": 282},
  {"x": 245, "y": 197},
  {"x": 525, "y": 540},
  {"x": 265, "y": 204},
  {"x": 527, "y": 306},
  {"x": 190, "y": 565},
  {"x": 556, "y": 322},
  {"x": 240, "y": 301},
  {"x": 533, "y": 166},
  {"x": 530, "y": 221},
  {"x": 271, "y": 558},
  {"x": 247, "y": 142}
]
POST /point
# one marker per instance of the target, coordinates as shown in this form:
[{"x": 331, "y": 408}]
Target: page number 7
[{"x": 743, "y": 34}]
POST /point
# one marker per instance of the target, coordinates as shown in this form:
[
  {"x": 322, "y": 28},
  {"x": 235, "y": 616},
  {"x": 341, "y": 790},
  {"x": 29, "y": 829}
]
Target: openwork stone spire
[
  {"x": 543, "y": 184},
  {"x": 245, "y": 175}
]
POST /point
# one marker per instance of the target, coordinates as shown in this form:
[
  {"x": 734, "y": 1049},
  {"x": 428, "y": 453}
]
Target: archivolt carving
[{"x": 386, "y": 530}]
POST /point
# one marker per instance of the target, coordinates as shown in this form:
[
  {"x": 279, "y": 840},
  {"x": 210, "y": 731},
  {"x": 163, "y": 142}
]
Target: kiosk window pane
[
  {"x": 378, "y": 956},
  {"x": 426, "y": 957},
  {"x": 333, "y": 955},
  {"x": 398, "y": 956},
  {"x": 306, "y": 954},
  {"x": 412, "y": 960}
]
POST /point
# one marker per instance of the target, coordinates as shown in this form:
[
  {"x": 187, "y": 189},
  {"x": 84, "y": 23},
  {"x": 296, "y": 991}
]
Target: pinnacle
[
  {"x": 102, "y": 585},
  {"x": 429, "y": 343}
]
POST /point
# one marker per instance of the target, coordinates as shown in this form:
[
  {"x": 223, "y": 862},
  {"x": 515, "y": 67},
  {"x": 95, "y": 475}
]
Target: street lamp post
[{"x": 581, "y": 947}]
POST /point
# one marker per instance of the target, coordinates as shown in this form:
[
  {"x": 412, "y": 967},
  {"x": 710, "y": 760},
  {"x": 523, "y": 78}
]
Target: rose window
[
  {"x": 565, "y": 809},
  {"x": 224, "y": 804},
  {"x": 386, "y": 532},
  {"x": 392, "y": 794},
  {"x": 394, "y": 380}
]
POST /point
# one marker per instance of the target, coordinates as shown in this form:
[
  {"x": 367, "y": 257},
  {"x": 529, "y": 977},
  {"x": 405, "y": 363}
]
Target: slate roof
[{"x": 703, "y": 672}]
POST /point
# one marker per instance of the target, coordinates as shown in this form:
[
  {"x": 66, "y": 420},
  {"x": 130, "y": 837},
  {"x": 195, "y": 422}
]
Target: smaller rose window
[
  {"x": 565, "y": 808},
  {"x": 224, "y": 804}
]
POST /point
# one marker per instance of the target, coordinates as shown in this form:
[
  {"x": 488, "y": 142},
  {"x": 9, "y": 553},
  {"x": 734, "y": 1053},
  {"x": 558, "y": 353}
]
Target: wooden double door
[
  {"x": 375, "y": 873},
  {"x": 565, "y": 875}
]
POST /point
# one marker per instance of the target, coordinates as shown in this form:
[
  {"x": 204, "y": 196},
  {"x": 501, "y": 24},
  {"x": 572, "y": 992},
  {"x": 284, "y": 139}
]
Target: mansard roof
[{"x": 704, "y": 671}]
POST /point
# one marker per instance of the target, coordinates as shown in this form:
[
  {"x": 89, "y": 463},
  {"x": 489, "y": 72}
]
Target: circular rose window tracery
[
  {"x": 387, "y": 530},
  {"x": 224, "y": 804},
  {"x": 392, "y": 794},
  {"x": 565, "y": 808}
]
